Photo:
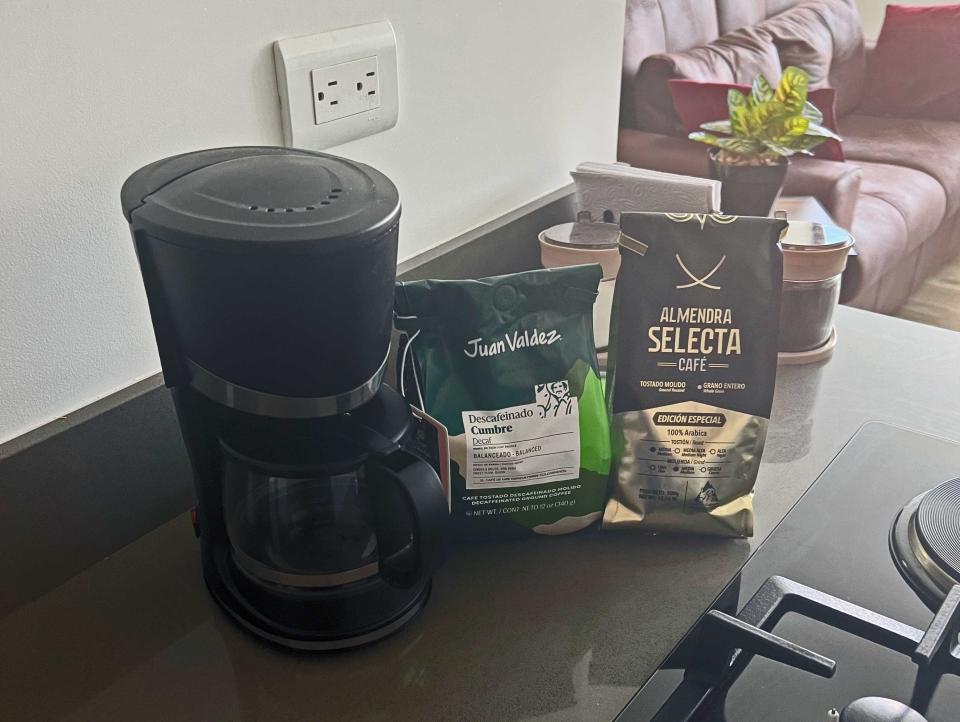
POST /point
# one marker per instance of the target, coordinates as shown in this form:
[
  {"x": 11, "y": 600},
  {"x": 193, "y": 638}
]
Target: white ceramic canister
[{"x": 574, "y": 244}]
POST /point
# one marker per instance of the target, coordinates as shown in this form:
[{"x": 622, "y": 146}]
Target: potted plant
[{"x": 751, "y": 149}]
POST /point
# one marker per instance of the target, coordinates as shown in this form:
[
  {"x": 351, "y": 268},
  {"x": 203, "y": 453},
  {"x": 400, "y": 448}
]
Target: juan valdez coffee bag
[
  {"x": 693, "y": 359},
  {"x": 509, "y": 366}
]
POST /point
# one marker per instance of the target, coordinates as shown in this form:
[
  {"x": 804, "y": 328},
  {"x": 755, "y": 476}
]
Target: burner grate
[{"x": 726, "y": 644}]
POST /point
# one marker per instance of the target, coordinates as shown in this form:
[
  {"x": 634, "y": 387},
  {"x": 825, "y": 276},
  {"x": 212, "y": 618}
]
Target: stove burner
[
  {"x": 879, "y": 709},
  {"x": 925, "y": 542},
  {"x": 938, "y": 521}
]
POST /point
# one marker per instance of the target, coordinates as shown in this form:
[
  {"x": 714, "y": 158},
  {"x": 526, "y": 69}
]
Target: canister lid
[
  {"x": 260, "y": 197},
  {"x": 583, "y": 235},
  {"x": 573, "y": 244},
  {"x": 814, "y": 251},
  {"x": 813, "y": 236}
]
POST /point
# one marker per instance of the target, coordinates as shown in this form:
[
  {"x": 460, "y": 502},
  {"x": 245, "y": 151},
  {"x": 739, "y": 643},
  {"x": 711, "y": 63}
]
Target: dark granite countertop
[{"x": 550, "y": 629}]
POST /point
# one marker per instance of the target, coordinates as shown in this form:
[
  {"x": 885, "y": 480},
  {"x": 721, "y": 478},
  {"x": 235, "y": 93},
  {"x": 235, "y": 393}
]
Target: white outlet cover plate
[{"x": 301, "y": 61}]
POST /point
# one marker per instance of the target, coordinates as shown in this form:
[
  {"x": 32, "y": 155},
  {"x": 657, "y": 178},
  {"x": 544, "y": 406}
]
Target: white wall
[
  {"x": 499, "y": 99},
  {"x": 871, "y": 12}
]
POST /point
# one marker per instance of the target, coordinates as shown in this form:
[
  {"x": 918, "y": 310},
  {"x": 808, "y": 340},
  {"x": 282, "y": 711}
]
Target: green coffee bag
[{"x": 508, "y": 365}]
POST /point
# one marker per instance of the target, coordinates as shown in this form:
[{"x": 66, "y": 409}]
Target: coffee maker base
[{"x": 224, "y": 582}]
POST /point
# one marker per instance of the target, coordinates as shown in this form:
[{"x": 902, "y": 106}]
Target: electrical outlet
[
  {"x": 337, "y": 86},
  {"x": 345, "y": 89}
]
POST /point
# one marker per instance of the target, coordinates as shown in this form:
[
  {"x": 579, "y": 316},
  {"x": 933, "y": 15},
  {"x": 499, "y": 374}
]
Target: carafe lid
[{"x": 263, "y": 198}]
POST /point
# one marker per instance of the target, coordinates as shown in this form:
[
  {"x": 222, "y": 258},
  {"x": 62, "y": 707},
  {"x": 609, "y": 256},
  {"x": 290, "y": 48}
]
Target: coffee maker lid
[{"x": 242, "y": 198}]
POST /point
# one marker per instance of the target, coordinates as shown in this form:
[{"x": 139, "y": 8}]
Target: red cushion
[
  {"x": 697, "y": 103},
  {"x": 913, "y": 71}
]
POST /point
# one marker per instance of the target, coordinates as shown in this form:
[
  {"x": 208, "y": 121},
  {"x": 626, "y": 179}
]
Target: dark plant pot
[{"x": 748, "y": 190}]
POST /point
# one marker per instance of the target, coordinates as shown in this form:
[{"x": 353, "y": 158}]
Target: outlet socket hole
[
  {"x": 319, "y": 96},
  {"x": 324, "y": 203},
  {"x": 359, "y": 86},
  {"x": 289, "y": 210},
  {"x": 271, "y": 210},
  {"x": 311, "y": 208},
  {"x": 371, "y": 92},
  {"x": 332, "y": 83},
  {"x": 254, "y": 208},
  {"x": 334, "y": 102},
  {"x": 335, "y": 190},
  {"x": 371, "y": 74}
]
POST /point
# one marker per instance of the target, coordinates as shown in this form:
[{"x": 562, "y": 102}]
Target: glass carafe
[
  {"x": 374, "y": 509},
  {"x": 300, "y": 528}
]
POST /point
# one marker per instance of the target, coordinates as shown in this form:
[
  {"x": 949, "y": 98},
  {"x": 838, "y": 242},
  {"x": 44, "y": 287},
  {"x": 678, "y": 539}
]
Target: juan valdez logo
[{"x": 510, "y": 342}]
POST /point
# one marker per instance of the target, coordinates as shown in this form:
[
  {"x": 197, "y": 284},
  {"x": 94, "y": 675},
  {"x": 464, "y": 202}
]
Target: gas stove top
[{"x": 848, "y": 611}]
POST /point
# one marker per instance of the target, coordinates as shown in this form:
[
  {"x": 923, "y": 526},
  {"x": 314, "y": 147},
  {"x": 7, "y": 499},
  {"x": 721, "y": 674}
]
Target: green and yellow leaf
[
  {"x": 800, "y": 144},
  {"x": 805, "y": 142},
  {"x": 779, "y": 149},
  {"x": 821, "y": 131},
  {"x": 781, "y": 130},
  {"x": 735, "y": 99},
  {"x": 792, "y": 89},
  {"x": 742, "y": 146},
  {"x": 718, "y": 126},
  {"x": 812, "y": 112},
  {"x": 762, "y": 90},
  {"x": 766, "y": 112},
  {"x": 742, "y": 122},
  {"x": 702, "y": 137}
]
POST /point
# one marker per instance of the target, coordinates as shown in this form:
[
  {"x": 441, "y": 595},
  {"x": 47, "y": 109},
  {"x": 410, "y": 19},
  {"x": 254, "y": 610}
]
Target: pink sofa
[{"x": 898, "y": 190}]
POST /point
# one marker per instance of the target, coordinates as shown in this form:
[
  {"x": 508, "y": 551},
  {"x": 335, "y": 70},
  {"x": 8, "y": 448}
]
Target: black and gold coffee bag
[{"x": 693, "y": 359}]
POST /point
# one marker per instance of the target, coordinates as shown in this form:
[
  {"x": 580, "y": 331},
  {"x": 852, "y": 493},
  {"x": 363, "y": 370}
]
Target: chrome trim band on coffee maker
[
  {"x": 263, "y": 403},
  {"x": 257, "y": 571}
]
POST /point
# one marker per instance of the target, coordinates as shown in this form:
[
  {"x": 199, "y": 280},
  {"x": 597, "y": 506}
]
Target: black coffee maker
[{"x": 269, "y": 274}]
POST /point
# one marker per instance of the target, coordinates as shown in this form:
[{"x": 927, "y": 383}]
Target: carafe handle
[{"x": 405, "y": 560}]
